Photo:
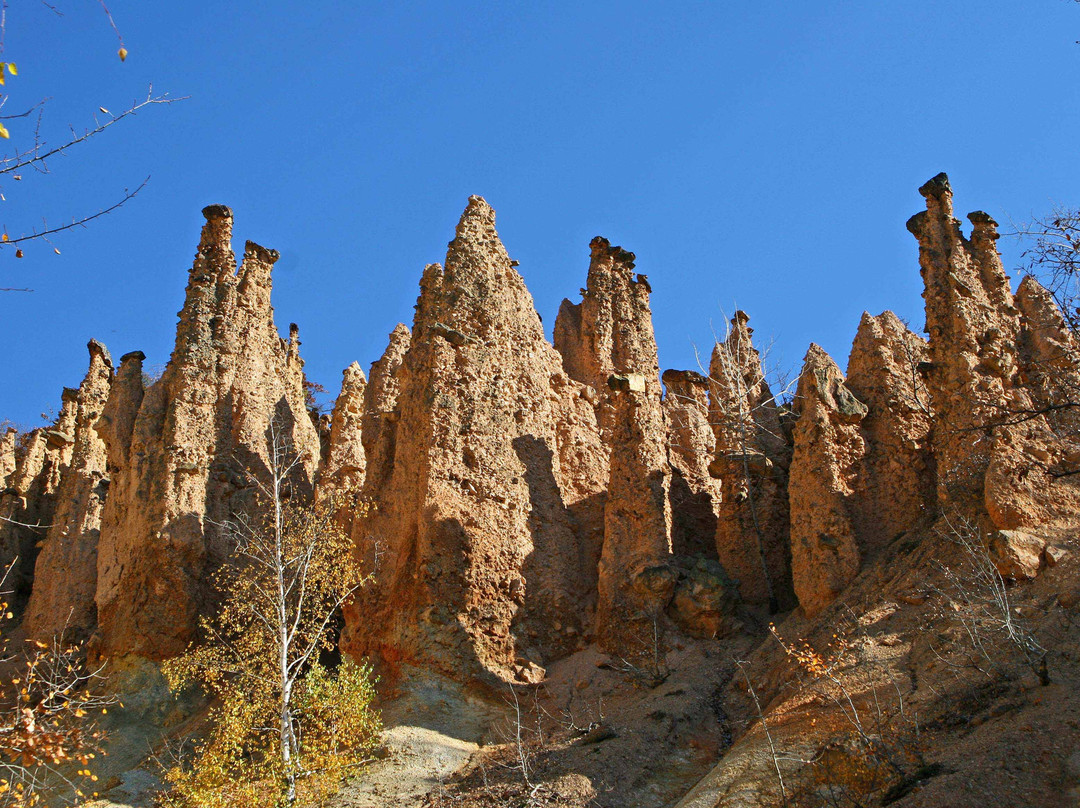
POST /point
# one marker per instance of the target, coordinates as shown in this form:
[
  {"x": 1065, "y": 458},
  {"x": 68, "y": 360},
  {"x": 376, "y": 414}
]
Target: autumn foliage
[
  {"x": 49, "y": 714},
  {"x": 285, "y": 728}
]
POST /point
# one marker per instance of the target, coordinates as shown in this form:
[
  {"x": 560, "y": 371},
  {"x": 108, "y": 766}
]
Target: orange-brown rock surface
[
  {"x": 610, "y": 330},
  {"x": 695, "y": 495},
  {"x": 28, "y": 502},
  {"x": 895, "y": 489},
  {"x": 65, "y": 581},
  {"x": 751, "y": 463},
  {"x": 200, "y": 430},
  {"x": 478, "y": 565},
  {"x": 635, "y": 582},
  {"x": 1050, "y": 366},
  {"x": 345, "y": 462},
  {"x": 828, "y": 456},
  {"x": 380, "y": 413},
  {"x": 8, "y": 442},
  {"x": 993, "y": 449}
]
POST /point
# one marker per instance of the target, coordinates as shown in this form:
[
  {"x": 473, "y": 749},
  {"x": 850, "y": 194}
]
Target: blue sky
[{"x": 764, "y": 155}]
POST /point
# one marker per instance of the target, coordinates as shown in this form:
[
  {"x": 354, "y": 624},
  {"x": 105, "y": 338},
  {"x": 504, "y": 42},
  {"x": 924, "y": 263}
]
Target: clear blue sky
[{"x": 763, "y": 154}]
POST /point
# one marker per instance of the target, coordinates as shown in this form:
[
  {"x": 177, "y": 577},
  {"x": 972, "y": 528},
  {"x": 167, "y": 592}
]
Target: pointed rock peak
[
  {"x": 884, "y": 325},
  {"x": 353, "y": 377},
  {"x": 739, "y": 340},
  {"x": 822, "y": 381},
  {"x": 1038, "y": 307},
  {"x": 399, "y": 336},
  {"x": 99, "y": 350},
  {"x": 432, "y": 275},
  {"x": 1030, "y": 287},
  {"x": 867, "y": 321},
  {"x": 817, "y": 358},
  {"x": 476, "y": 252},
  {"x": 477, "y": 221},
  {"x": 256, "y": 268}
]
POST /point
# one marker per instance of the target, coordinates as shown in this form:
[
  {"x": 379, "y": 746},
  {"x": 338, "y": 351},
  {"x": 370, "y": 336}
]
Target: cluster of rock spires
[{"x": 518, "y": 498}]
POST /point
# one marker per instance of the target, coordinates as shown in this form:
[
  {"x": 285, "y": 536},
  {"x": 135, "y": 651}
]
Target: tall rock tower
[{"x": 196, "y": 436}]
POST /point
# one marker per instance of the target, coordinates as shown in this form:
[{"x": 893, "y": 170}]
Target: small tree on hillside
[
  {"x": 284, "y": 727},
  {"x": 48, "y": 720}
]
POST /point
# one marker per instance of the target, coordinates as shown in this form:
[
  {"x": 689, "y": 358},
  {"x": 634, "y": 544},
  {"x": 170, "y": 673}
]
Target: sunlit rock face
[
  {"x": 992, "y": 467},
  {"x": 28, "y": 502},
  {"x": 472, "y": 532},
  {"x": 199, "y": 431},
  {"x": 65, "y": 583},
  {"x": 752, "y": 456}
]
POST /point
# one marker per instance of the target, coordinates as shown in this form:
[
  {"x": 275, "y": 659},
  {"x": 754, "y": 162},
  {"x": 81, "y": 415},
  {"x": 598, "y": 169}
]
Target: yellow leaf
[
  {"x": 122, "y": 53},
  {"x": 12, "y": 69},
  {"x": 4, "y": 132},
  {"x": 4, "y": 237}
]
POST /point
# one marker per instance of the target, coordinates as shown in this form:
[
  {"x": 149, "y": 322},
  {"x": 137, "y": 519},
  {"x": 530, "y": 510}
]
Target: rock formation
[
  {"x": 8, "y": 443},
  {"x": 27, "y": 503},
  {"x": 751, "y": 463},
  {"x": 1050, "y": 365},
  {"x": 62, "y": 600},
  {"x": 635, "y": 583},
  {"x": 695, "y": 495},
  {"x": 200, "y": 431},
  {"x": 828, "y": 455},
  {"x": 479, "y": 565},
  {"x": 993, "y": 448},
  {"x": 380, "y": 412},
  {"x": 895, "y": 489},
  {"x": 519, "y": 499},
  {"x": 345, "y": 463},
  {"x": 610, "y": 330}
]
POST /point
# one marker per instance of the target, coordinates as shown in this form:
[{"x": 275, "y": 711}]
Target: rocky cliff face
[
  {"x": 991, "y": 465},
  {"x": 695, "y": 495},
  {"x": 517, "y": 499},
  {"x": 380, "y": 412},
  {"x": 198, "y": 432},
  {"x": 829, "y": 452},
  {"x": 346, "y": 462},
  {"x": 751, "y": 462},
  {"x": 480, "y": 567},
  {"x": 27, "y": 503},
  {"x": 62, "y": 600},
  {"x": 896, "y": 486}
]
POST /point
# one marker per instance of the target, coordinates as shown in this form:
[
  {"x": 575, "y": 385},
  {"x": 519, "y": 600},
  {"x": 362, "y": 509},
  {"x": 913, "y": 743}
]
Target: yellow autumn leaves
[{"x": 6, "y": 69}]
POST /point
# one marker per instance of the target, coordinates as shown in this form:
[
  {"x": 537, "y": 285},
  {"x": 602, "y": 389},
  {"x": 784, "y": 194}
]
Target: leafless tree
[
  {"x": 34, "y": 157},
  {"x": 750, "y": 421}
]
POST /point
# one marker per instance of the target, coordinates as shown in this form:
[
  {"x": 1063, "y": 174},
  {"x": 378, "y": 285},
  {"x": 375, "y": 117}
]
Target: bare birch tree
[{"x": 291, "y": 572}]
